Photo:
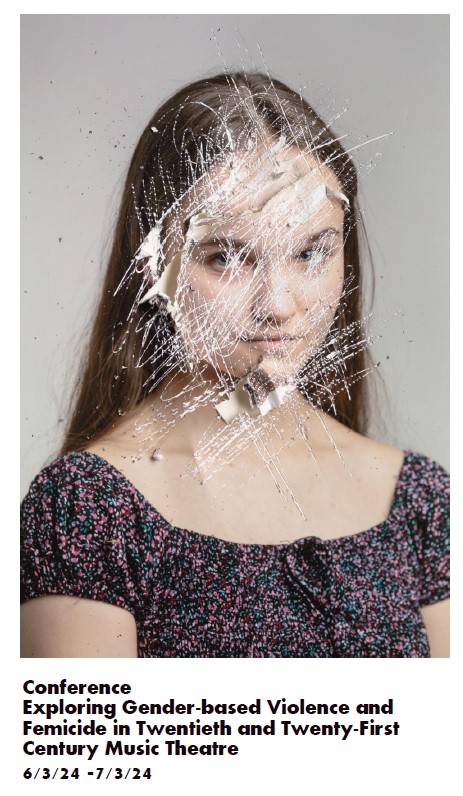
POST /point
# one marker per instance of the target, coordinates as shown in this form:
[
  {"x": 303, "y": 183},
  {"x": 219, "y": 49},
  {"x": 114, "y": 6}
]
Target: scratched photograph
[{"x": 235, "y": 342}]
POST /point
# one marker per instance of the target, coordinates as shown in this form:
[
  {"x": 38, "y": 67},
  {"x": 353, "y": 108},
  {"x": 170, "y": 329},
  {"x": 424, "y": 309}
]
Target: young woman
[{"x": 216, "y": 495}]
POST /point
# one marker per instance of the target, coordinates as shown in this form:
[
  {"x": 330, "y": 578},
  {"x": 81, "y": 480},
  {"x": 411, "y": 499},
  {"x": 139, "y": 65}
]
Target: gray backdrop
[{"x": 91, "y": 82}]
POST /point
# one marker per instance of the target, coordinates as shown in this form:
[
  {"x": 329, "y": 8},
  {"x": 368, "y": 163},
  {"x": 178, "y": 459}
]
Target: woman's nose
[{"x": 273, "y": 295}]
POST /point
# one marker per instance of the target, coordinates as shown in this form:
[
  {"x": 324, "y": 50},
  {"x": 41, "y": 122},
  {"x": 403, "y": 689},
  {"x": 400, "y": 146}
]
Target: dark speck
[
  {"x": 59, "y": 240},
  {"x": 40, "y": 157}
]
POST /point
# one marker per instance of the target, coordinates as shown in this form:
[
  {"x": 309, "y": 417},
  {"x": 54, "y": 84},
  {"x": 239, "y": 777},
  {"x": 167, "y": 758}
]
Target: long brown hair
[{"x": 188, "y": 131}]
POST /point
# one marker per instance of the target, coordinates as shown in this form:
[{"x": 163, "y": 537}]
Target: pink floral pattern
[{"x": 88, "y": 532}]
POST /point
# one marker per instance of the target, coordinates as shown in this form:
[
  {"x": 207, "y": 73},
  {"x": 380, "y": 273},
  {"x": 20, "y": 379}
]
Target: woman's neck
[{"x": 180, "y": 418}]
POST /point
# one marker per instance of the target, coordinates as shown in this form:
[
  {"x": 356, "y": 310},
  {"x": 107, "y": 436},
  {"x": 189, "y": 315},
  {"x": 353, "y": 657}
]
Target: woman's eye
[
  {"x": 227, "y": 260},
  {"x": 314, "y": 255},
  {"x": 220, "y": 260},
  {"x": 317, "y": 254}
]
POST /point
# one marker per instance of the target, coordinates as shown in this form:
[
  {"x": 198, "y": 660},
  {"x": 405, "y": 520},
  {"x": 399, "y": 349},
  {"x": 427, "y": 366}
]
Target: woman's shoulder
[
  {"x": 416, "y": 469},
  {"x": 84, "y": 532},
  {"x": 425, "y": 489},
  {"x": 423, "y": 505},
  {"x": 76, "y": 472},
  {"x": 421, "y": 500},
  {"x": 425, "y": 472},
  {"x": 80, "y": 492},
  {"x": 417, "y": 483},
  {"x": 420, "y": 512}
]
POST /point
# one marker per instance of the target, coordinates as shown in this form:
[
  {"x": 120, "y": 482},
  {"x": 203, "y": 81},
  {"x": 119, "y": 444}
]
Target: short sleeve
[
  {"x": 429, "y": 501},
  {"x": 71, "y": 543}
]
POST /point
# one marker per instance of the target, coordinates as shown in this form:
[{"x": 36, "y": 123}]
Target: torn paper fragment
[
  {"x": 307, "y": 204},
  {"x": 246, "y": 394},
  {"x": 151, "y": 245},
  {"x": 258, "y": 385},
  {"x": 201, "y": 225},
  {"x": 276, "y": 398},
  {"x": 168, "y": 281},
  {"x": 166, "y": 286},
  {"x": 236, "y": 403},
  {"x": 331, "y": 194}
]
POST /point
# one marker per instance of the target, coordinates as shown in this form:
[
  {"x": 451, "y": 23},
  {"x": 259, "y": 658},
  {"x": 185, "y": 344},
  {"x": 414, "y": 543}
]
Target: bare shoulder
[
  {"x": 364, "y": 455},
  {"x": 374, "y": 454},
  {"x": 117, "y": 444},
  {"x": 124, "y": 443},
  {"x": 123, "y": 453}
]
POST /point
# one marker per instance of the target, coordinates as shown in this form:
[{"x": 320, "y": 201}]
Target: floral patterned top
[{"x": 88, "y": 532}]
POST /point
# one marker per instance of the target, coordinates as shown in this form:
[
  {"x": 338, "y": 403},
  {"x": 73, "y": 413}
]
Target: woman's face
[{"x": 262, "y": 265}]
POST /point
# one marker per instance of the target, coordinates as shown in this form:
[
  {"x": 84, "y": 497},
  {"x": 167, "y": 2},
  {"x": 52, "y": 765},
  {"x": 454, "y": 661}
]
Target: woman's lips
[{"x": 274, "y": 343}]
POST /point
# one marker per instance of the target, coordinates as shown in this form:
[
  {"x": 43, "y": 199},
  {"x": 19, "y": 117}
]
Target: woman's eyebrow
[
  {"x": 314, "y": 236},
  {"x": 234, "y": 243}
]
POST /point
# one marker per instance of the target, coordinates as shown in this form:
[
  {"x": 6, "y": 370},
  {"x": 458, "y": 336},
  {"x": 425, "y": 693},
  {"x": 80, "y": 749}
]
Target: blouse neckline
[{"x": 226, "y": 543}]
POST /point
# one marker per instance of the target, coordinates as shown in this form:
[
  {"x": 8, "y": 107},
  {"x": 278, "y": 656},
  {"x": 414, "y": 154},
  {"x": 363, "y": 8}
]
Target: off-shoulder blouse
[{"x": 88, "y": 532}]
